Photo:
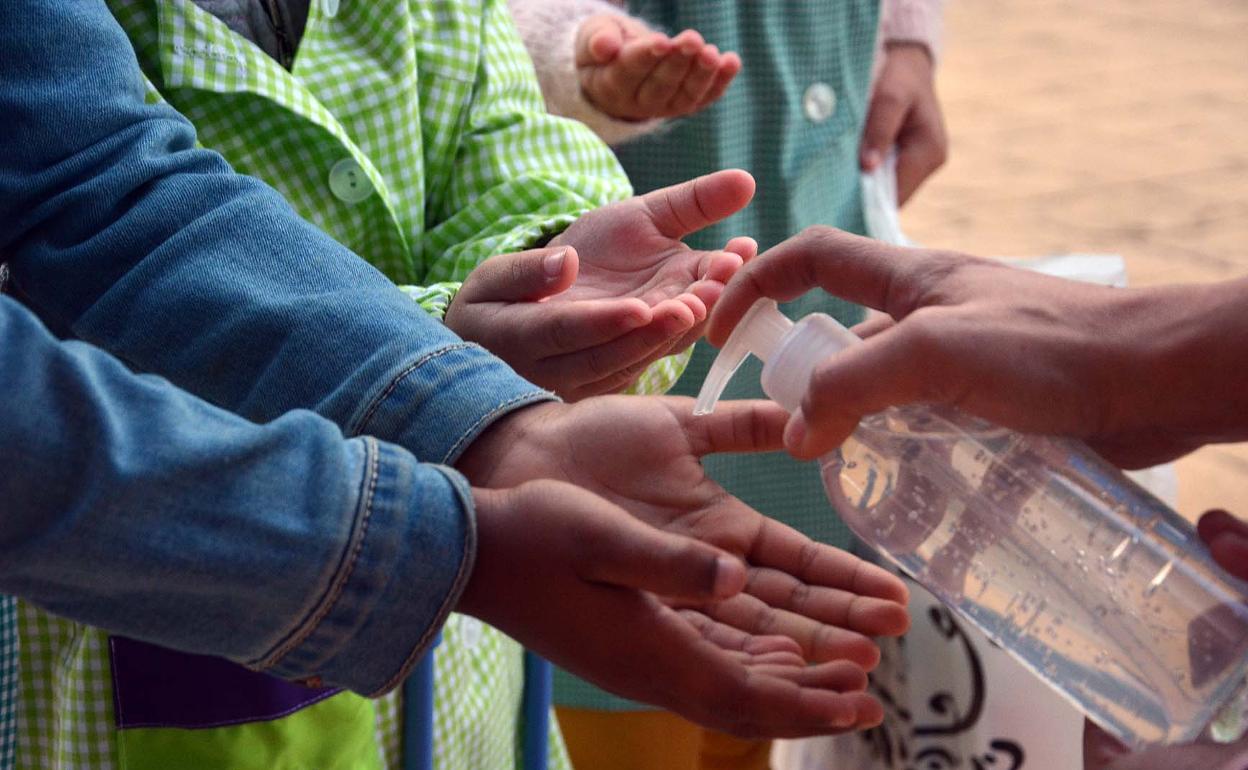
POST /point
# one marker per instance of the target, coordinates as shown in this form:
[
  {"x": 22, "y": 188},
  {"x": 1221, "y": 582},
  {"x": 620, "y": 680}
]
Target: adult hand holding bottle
[{"x": 1141, "y": 375}]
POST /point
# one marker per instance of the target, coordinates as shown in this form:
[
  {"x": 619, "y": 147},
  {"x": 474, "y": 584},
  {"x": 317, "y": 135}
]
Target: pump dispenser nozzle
[
  {"x": 789, "y": 353},
  {"x": 759, "y": 332}
]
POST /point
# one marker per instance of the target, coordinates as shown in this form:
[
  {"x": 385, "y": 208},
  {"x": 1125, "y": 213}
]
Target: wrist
[
  {"x": 507, "y": 452},
  {"x": 1195, "y": 343},
  {"x": 918, "y": 56}
]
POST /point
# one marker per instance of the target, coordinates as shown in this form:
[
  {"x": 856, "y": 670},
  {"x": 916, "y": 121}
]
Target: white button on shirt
[
  {"x": 348, "y": 182},
  {"x": 819, "y": 102}
]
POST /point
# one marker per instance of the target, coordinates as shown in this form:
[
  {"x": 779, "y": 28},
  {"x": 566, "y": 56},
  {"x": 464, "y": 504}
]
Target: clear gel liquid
[{"x": 1097, "y": 587}]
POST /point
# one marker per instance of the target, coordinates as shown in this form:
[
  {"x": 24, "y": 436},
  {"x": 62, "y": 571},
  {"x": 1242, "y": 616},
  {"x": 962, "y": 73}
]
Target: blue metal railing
[{"x": 418, "y": 713}]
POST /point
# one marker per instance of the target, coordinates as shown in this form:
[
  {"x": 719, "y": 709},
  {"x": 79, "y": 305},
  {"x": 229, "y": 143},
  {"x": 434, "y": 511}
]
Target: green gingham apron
[
  {"x": 793, "y": 119},
  {"x": 8, "y": 680},
  {"x": 414, "y": 133}
]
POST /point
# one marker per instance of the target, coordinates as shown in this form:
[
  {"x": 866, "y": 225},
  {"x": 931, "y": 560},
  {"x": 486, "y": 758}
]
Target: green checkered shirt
[{"x": 414, "y": 133}]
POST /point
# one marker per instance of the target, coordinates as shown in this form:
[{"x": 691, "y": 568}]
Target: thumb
[
  {"x": 884, "y": 120},
  {"x": 690, "y": 206},
  {"x": 1227, "y": 538},
  {"x": 524, "y": 276},
  {"x": 599, "y": 40}
]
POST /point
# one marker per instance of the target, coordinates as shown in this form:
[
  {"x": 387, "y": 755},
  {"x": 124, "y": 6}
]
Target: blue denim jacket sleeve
[
  {"x": 136, "y": 507},
  {"x": 120, "y": 232}
]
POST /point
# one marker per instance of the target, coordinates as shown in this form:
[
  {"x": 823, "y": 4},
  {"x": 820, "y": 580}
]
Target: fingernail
[
  {"x": 845, "y": 719},
  {"x": 553, "y": 263},
  {"x": 871, "y": 159},
  {"x": 729, "y": 576},
  {"x": 795, "y": 431},
  {"x": 634, "y": 321}
]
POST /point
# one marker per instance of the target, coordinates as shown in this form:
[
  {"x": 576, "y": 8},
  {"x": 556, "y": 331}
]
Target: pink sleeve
[{"x": 917, "y": 21}]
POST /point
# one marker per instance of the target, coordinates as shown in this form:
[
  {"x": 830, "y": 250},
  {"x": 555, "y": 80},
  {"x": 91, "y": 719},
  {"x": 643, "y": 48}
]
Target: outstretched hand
[
  {"x": 630, "y": 72},
  {"x": 577, "y": 579},
  {"x": 630, "y": 253},
  {"x": 644, "y": 454}
]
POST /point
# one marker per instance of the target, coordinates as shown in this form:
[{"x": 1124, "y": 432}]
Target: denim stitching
[
  {"x": 493, "y": 414},
  {"x": 327, "y": 603},
  {"x": 358, "y": 427}
]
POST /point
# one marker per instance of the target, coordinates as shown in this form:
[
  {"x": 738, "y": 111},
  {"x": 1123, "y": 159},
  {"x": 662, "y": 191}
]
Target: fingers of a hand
[
  {"x": 785, "y": 549},
  {"x": 738, "y": 425},
  {"x": 775, "y": 706},
  {"x": 620, "y": 550},
  {"x": 1099, "y": 747},
  {"x": 636, "y": 61},
  {"x": 922, "y": 148},
  {"x": 840, "y": 675},
  {"x": 900, "y": 366},
  {"x": 875, "y": 323},
  {"x": 885, "y": 116},
  {"x": 720, "y": 265},
  {"x": 525, "y": 275},
  {"x": 743, "y": 246},
  {"x": 1215, "y": 522},
  {"x": 734, "y": 639},
  {"x": 708, "y": 293},
  {"x": 729, "y": 66},
  {"x": 612, "y": 87},
  {"x": 1227, "y": 538},
  {"x": 864, "y": 614},
  {"x": 819, "y": 642},
  {"x": 676, "y": 308},
  {"x": 623, "y": 354},
  {"x": 699, "y": 78},
  {"x": 664, "y": 81},
  {"x": 690, "y": 206},
  {"x": 851, "y": 267},
  {"x": 598, "y": 40}
]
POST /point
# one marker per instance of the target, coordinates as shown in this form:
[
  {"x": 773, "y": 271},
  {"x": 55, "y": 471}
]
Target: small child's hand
[
  {"x": 613, "y": 293},
  {"x": 632, "y": 73},
  {"x": 577, "y": 345}
]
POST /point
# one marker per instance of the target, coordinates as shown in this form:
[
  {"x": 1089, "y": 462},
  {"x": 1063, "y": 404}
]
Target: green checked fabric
[{"x": 414, "y": 133}]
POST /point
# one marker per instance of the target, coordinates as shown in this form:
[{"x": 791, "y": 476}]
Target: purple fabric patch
[{"x": 158, "y": 687}]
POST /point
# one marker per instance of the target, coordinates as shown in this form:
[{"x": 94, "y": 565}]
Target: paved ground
[{"x": 1116, "y": 126}]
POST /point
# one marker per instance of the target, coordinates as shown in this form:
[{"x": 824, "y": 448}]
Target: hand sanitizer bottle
[{"x": 1089, "y": 581}]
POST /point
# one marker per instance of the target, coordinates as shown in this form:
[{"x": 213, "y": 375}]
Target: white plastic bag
[{"x": 952, "y": 698}]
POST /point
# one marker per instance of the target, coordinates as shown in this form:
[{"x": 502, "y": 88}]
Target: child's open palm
[
  {"x": 613, "y": 293},
  {"x": 644, "y": 454},
  {"x": 633, "y": 73}
]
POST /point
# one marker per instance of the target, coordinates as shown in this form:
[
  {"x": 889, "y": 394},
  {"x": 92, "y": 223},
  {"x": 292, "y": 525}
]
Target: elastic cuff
[
  {"x": 914, "y": 21},
  {"x": 426, "y": 409},
  {"x": 403, "y": 570}
]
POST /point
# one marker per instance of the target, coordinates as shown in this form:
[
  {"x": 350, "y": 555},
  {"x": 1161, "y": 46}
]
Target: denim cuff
[
  {"x": 407, "y": 560},
  {"x": 424, "y": 409}
]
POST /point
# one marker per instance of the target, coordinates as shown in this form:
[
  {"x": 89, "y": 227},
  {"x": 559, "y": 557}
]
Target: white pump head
[
  {"x": 789, "y": 352},
  {"x": 759, "y": 332}
]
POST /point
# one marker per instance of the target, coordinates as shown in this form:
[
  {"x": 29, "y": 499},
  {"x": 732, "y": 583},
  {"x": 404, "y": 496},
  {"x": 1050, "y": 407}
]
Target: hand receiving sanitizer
[{"x": 1092, "y": 583}]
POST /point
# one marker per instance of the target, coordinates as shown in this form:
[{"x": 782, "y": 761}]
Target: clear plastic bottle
[{"x": 1089, "y": 581}]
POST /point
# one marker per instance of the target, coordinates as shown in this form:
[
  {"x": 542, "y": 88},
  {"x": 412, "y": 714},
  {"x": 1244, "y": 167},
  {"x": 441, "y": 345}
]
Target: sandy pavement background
[{"x": 1116, "y": 126}]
